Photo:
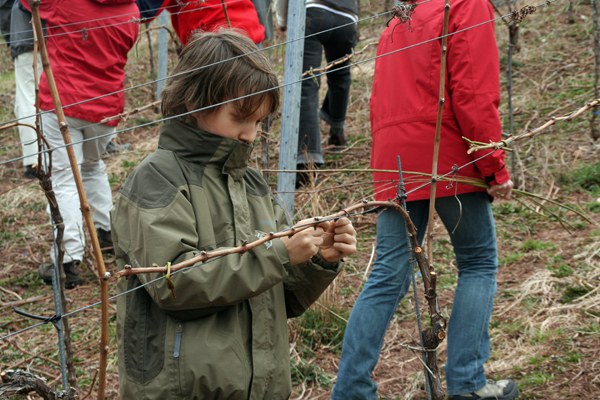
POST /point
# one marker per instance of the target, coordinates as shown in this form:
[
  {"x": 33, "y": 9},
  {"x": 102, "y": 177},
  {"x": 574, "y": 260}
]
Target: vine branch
[{"x": 503, "y": 144}]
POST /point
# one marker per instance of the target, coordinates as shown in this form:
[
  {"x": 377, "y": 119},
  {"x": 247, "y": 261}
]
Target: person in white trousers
[{"x": 91, "y": 55}]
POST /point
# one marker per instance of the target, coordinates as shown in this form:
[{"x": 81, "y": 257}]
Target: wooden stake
[
  {"x": 438, "y": 130},
  {"x": 432, "y": 376}
]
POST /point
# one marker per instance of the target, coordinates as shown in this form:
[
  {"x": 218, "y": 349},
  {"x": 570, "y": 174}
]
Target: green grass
[
  {"x": 309, "y": 372},
  {"x": 560, "y": 271},
  {"x": 572, "y": 293},
  {"x": 593, "y": 328},
  {"x": 509, "y": 327},
  {"x": 531, "y": 303},
  {"x": 535, "y": 379},
  {"x": 593, "y": 206},
  {"x": 128, "y": 164},
  {"x": 536, "y": 245},
  {"x": 572, "y": 357},
  {"x": 29, "y": 280},
  {"x": 586, "y": 177},
  {"x": 511, "y": 258},
  {"x": 537, "y": 360},
  {"x": 319, "y": 328},
  {"x": 547, "y": 336},
  {"x": 447, "y": 281}
]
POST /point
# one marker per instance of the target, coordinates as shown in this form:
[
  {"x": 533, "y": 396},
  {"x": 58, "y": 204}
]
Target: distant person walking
[
  {"x": 404, "y": 104},
  {"x": 330, "y": 27}
]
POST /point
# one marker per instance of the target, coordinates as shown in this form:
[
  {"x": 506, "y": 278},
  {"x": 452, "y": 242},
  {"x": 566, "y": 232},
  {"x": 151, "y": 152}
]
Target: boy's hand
[
  {"x": 306, "y": 243},
  {"x": 339, "y": 240}
]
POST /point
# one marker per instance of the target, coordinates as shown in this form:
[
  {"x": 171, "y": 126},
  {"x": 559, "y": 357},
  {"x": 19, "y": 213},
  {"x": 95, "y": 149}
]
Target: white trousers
[
  {"x": 93, "y": 173},
  {"x": 25, "y": 105}
]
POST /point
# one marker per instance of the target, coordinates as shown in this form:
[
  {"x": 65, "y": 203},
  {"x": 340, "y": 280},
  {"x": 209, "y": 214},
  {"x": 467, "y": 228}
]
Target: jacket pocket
[
  {"x": 210, "y": 362},
  {"x": 144, "y": 336}
]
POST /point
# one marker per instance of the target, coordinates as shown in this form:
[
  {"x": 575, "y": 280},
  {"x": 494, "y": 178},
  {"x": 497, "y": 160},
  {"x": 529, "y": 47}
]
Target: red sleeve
[{"x": 474, "y": 81}]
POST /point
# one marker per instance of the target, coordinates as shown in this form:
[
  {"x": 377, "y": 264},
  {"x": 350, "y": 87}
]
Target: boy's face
[{"x": 227, "y": 122}]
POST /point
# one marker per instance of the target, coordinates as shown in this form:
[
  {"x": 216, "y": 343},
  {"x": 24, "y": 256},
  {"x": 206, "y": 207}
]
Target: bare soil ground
[{"x": 546, "y": 324}]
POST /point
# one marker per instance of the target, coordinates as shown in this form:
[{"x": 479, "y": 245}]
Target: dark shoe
[
  {"x": 105, "y": 239},
  {"x": 337, "y": 139},
  {"x": 29, "y": 172},
  {"x": 72, "y": 278},
  {"x": 305, "y": 177},
  {"x": 115, "y": 148},
  {"x": 505, "y": 389}
]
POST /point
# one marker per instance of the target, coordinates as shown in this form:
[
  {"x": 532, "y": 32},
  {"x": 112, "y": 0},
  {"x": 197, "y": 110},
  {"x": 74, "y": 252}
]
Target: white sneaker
[{"x": 505, "y": 389}]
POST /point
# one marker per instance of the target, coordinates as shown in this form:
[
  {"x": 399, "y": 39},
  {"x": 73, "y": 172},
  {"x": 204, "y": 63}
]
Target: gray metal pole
[
  {"x": 163, "y": 50},
  {"x": 62, "y": 351},
  {"x": 290, "y": 113}
]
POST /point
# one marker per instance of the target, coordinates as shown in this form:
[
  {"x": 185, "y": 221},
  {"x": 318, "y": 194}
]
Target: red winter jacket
[
  {"x": 404, "y": 99},
  {"x": 209, "y": 16},
  {"x": 88, "y": 42}
]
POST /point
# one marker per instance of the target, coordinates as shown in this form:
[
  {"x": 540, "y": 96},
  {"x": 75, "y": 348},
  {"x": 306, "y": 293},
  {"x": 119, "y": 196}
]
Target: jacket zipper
[{"x": 177, "y": 346}]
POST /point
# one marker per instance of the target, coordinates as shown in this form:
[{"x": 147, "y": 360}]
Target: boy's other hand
[
  {"x": 339, "y": 240},
  {"x": 306, "y": 243}
]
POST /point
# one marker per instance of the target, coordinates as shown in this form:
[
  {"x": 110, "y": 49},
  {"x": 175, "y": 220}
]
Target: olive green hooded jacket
[{"x": 222, "y": 334}]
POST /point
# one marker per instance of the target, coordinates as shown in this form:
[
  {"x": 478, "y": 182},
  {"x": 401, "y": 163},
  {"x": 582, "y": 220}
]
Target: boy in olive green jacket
[{"x": 224, "y": 333}]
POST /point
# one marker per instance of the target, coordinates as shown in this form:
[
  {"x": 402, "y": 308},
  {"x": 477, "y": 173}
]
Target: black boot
[
  {"x": 29, "y": 172},
  {"x": 72, "y": 275},
  {"x": 306, "y": 176},
  {"x": 72, "y": 278},
  {"x": 337, "y": 139},
  {"x": 105, "y": 239}
]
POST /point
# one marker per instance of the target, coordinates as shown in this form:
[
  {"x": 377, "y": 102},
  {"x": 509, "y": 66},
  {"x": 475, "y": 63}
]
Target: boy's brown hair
[{"x": 218, "y": 66}]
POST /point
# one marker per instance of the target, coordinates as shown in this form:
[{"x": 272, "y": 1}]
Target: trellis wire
[
  {"x": 360, "y": 62},
  {"x": 151, "y": 82}
]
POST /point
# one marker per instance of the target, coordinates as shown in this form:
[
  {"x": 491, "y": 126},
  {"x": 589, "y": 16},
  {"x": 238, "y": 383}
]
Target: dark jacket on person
[
  {"x": 265, "y": 16},
  {"x": 21, "y": 31},
  {"x": 5, "y": 7},
  {"x": 222, "y": 333},
  {"x": 342, "y": 5},
  {"x": 15, "y": 24},
  {"x": 349, "y": 7}
]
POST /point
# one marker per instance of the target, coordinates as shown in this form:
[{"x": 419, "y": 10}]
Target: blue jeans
[
  {"x": 474, "y": 242},
  {"x": 337, "y": 43}
]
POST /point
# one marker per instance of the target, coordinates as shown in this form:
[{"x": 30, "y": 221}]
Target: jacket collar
[{"x": 202, "y": 147}]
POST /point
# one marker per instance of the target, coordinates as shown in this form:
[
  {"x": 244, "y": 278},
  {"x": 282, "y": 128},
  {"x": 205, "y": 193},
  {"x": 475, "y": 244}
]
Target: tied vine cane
[{"x": 436, "y": 332}]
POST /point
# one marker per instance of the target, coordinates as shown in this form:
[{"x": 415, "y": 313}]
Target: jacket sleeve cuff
[
  {"x": 281, "y": 251},
  {"x": 320, "y": 261},
  {"x": 499, "y": 177}
]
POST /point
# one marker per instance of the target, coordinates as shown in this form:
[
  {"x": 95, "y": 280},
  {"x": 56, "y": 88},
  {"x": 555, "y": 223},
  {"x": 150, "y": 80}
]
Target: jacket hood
[{"x": 199, "y": 146}]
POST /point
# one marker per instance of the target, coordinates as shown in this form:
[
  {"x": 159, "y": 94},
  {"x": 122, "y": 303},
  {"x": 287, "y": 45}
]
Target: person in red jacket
[
  {"x": 207, "y": 16},
  {"x": 87, "y": 42},
  {"x": 404, "y": 103}
]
